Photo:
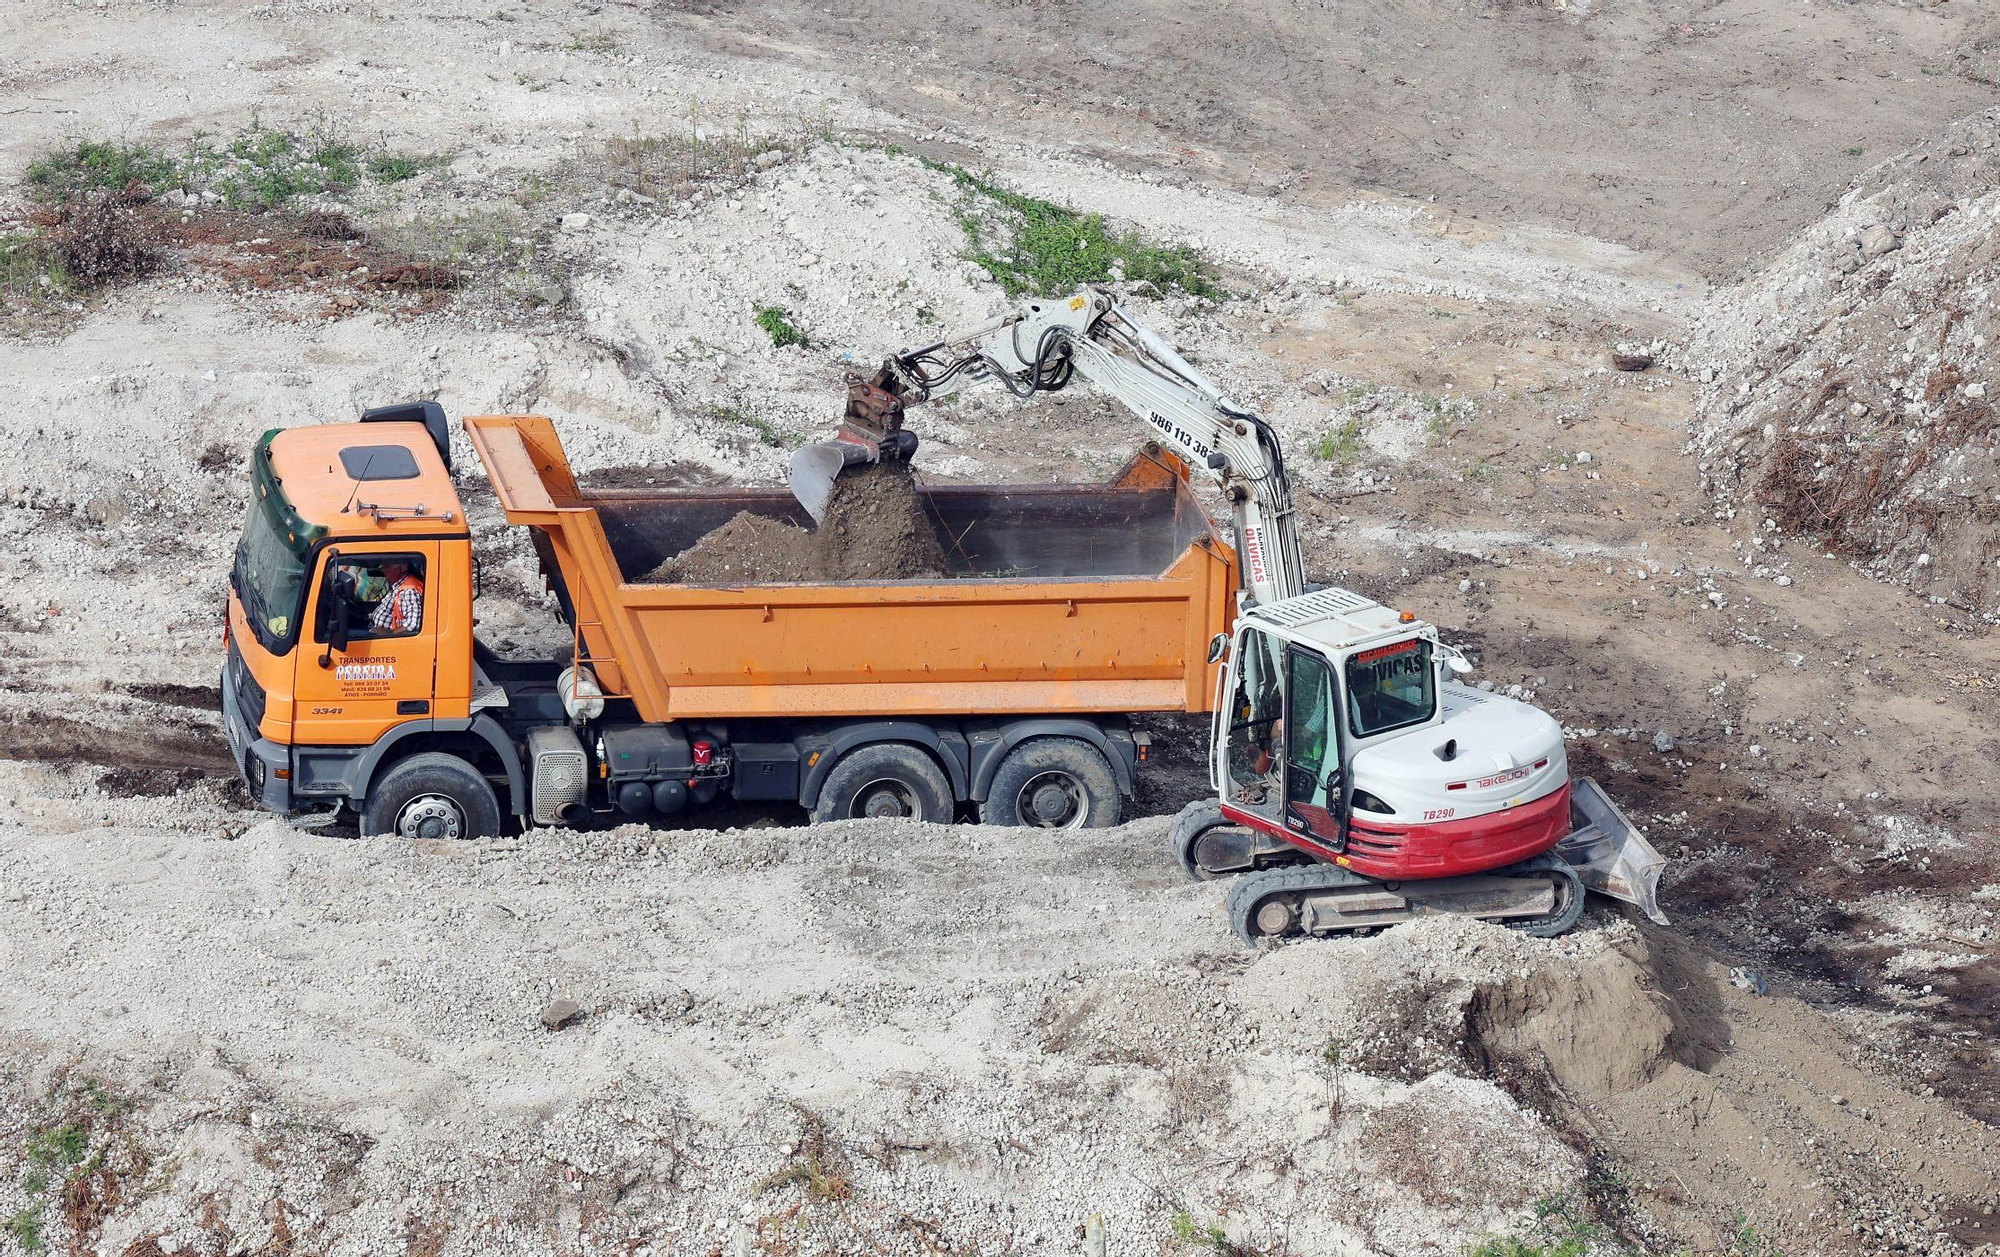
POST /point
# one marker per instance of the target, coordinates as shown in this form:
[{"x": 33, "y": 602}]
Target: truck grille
[{"x": 249, "y": 694}]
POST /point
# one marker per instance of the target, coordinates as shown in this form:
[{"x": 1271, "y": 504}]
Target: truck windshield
[
  {"x": 270, "y": 580},
  {"x": 1389, "y": 687}
]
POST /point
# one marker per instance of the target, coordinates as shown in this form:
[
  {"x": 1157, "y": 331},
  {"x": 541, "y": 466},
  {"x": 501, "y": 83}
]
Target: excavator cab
[{"x": 1279, "y": 741}]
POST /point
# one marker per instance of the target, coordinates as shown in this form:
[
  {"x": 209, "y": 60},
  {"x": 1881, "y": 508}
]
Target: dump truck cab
[{"x": 349, "y": 626}]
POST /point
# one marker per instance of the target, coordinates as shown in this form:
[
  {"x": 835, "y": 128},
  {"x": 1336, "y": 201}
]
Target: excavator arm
[{"x": 1042, "y": 346}]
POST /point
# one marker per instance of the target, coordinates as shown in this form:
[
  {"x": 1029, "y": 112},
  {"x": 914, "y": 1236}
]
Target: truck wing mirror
[
  {"x": 332, "y": 611},
  {"x": 1459, "y": 664},
  {"x": 1218, "y": 646}
]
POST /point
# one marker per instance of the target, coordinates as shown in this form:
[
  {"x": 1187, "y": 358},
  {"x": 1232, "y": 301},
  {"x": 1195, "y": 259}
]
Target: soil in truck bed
[{"x": 876, "y": 528}]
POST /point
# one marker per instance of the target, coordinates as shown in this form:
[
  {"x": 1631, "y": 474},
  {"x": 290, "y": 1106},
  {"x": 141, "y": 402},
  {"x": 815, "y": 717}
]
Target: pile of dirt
[
  {"x": 876, "y": 528},
  {"x": 1852, "y": 402}
]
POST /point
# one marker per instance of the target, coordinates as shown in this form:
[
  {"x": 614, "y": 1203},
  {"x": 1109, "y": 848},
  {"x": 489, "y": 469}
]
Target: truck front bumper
[{"x": 258, "y": 760}]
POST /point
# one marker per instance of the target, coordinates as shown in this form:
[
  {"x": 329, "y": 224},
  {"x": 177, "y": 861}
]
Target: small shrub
[
  {"x": 1209, "y": 1237},
  {"x": 1034, "y": 247},
  {"x": 26, "y": 1228},
  {"x": 1746, "y": 1240},
  {"x": 756, "y": 423},
  {"x": 778, "y": 325},
  {"x": 392, "y": 167},
  {"x": 1340, "y": 446},
  {"x": 101, "y": 238},
  {"x": 1560, "y": 1229},
  {"x": 99, "y": 164},
  {"x": 30, "y": 272}
]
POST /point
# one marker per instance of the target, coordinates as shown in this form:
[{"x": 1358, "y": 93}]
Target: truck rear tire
[
  {"x": 1052, "y": 783},
  {"x": 432, "y": 795},
  {"x": 887, "y": 779}
]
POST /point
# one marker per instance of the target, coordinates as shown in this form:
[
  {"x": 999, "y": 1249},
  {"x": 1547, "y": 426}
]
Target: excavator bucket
[
  {"x": 1609, "y": 853},
  {"x": 815, "y": 468},
  {"x": 871, "y": 429}
]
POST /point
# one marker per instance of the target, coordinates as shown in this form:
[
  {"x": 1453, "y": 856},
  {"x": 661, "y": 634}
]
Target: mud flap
[{"x": 1609, "y": 853}]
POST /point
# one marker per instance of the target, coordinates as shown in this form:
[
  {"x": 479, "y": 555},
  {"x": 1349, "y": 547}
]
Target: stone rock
[
  {"x": 1583, "y": 457},
  {"x": 575, "y": 222},
  {"x": 561, "y": 1013},
  {"x": 1878, "y": 240},
  {"x": 1663, "y": 742}
]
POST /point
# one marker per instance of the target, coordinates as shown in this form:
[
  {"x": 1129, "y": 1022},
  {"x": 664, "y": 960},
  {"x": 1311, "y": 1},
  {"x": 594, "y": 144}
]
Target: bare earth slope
[{"x": 1701, "y": 129}]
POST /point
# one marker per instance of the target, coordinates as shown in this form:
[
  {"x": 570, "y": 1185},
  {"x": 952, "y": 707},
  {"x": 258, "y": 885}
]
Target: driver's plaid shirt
[{"x": 401, "y": 611}]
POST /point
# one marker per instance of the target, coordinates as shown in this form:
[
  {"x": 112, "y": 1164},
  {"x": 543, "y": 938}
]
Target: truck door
[
  {"x": 1252, "y": 733},
  {"x": 1315, "y": 778},
  {"x": 386, "y": 674}
]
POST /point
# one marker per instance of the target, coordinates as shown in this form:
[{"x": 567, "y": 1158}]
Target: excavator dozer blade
[
  {"x": 1608, "y": 851},
  {"x": 816, "y": 467}
]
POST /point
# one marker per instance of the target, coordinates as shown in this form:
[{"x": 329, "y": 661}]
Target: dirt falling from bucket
[{"x": 876, "y": 528}]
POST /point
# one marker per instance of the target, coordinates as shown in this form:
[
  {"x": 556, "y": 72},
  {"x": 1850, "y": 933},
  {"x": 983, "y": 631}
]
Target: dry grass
[
  {"x": 1843, "y": 487},
  {"x": 103, "y": 238}
]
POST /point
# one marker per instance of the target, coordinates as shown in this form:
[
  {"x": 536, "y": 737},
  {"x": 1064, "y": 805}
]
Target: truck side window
[{"x": 382, "y": 595}]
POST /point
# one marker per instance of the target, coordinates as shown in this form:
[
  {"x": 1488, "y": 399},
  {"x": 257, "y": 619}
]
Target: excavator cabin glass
[
  {"x": 1313, "y": 768},
  {"x": 1253, "y": 750},
  {"x": 1390, "y": 687}
]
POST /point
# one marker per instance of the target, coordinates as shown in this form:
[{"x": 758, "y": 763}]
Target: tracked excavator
[{"x": 1357, "y": 782}]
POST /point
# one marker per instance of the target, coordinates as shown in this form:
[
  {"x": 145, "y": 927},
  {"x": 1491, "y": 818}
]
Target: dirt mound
[
  {"x": 1854, "y": 404},
  {"x": 876, "y": 528}
]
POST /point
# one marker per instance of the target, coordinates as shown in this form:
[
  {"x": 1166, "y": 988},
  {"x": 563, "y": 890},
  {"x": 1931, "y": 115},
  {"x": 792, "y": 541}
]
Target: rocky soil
[
  {"x": 1851, "y": 407},
  {"x": 1437, "y": 224}
]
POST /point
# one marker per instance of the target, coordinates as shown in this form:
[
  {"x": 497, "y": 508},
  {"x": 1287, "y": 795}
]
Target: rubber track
[
  {"x": 1251, "y": 889},
  {"x": 1189, "y": 824},
  {"x": 1550, "y": 927}
]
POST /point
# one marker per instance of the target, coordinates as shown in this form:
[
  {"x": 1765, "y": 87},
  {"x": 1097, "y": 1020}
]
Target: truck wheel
[
  {"x": 432, "y": 795},
  {"x": 885, "y": 780},
  {"x": 1053, "y": 783}
]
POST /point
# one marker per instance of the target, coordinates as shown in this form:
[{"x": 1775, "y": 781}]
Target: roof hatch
[{"x": 379, "y": 462}]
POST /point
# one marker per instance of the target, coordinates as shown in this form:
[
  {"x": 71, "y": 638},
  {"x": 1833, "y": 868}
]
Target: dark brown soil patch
[
  {"x": 656, "y": 476},
  {"x": 876, "y": 528},
  {"x": 200, "y": 697},
  {"x": 149, "y": 783},
  {"x": 53, "y": 739}
]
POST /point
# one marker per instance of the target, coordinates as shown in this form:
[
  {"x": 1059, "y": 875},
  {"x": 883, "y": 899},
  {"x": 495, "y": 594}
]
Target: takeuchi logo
[{"x": 365, "y": 672}]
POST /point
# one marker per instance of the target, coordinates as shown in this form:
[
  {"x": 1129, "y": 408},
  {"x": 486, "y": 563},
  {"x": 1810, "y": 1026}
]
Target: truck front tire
[
  {"x": 886, "y": 779},
  {"x": 432, "y": 795},
  {"x": 1053, "y": 783}
]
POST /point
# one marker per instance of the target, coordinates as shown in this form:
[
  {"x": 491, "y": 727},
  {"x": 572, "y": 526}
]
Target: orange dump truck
[{"x": 354, "y": 678}]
